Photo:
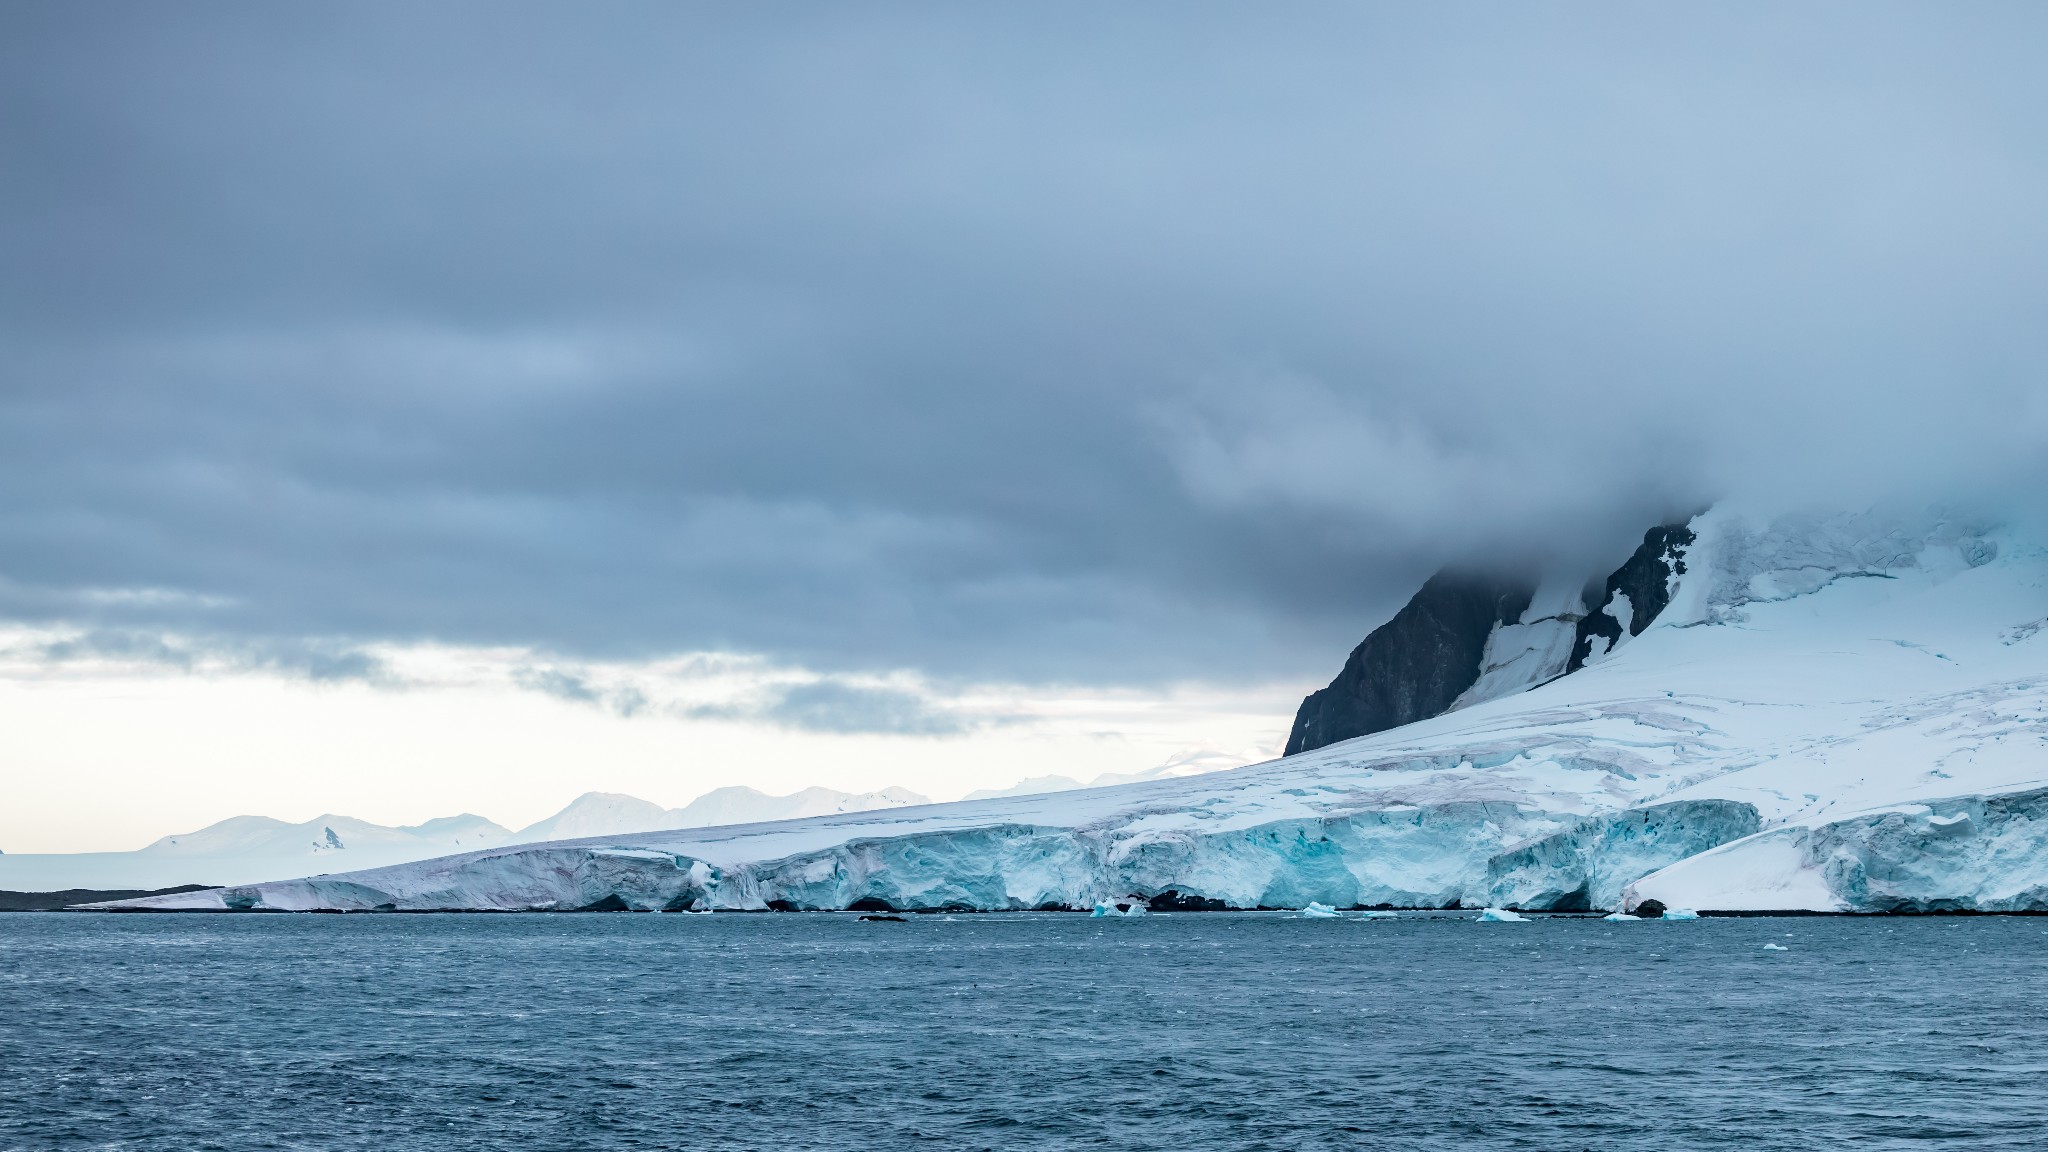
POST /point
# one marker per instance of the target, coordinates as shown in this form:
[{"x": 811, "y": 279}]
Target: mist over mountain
[
  {"x": 950, "y": 359},
  {"x": 1464, "y": 639},
  {"x": 911, "y": 382},
  {"x": 1471, "y": 564}
]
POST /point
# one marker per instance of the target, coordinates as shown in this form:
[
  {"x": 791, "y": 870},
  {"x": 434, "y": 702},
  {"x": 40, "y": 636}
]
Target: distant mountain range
[
  {"x": 243, "y": 849},
  {"x": 609, "y": 813},
  {"x": 1192, "y": 763},
  {"x": 247, "y": 849}
]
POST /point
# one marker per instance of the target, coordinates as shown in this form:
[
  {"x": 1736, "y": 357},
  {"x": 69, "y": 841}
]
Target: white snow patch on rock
[{"x": 1532, "y": 650}]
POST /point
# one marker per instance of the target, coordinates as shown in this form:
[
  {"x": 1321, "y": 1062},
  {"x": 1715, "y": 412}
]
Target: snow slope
[
  {"x": 1532, "y": 650},
  {"x": 1834, "y": 713}
]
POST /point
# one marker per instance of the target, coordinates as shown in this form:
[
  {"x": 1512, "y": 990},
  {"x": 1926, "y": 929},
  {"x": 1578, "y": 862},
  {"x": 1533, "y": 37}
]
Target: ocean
[{"x": 1232, "y": 1031}]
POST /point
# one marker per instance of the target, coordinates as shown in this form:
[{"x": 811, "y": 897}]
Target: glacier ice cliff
[
  {"x": 1956, "y": 854},
  {"x": 1832, "y": 713}
]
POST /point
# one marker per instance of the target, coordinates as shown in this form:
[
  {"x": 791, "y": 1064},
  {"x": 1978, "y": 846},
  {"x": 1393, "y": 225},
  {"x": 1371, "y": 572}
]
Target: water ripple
[{"x": 1172, "y": 1032}]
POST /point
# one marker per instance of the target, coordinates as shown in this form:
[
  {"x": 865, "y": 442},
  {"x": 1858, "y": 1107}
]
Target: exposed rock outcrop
[
  {"x": 1633, "y": 595},
  {"x": 1413, "y": 666},
  {"x": 1465, "y": 639}
]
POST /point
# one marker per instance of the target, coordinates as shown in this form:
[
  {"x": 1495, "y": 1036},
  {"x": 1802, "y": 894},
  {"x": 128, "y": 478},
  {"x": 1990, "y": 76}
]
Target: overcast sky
[{"x": 1113, "y": 346}]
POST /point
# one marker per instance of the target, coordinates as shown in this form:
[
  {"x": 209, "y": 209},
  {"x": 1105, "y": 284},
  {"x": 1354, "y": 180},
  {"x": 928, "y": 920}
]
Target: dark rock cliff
[
  {"x": 1645, "y": 580},
  {"x": 1413, "y": 666}
]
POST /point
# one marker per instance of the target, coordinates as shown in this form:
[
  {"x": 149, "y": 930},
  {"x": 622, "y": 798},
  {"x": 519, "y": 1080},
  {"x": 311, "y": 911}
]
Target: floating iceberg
[
  {"x": 1380, "y": 915},
  {"x": 1679, "y": 914},
  {"x": 1315, "y": 911},
  {"x": 1776, "y": 948},
  {"x": 1620, "y": 918},
  {"x": 1502, "y": 916}
]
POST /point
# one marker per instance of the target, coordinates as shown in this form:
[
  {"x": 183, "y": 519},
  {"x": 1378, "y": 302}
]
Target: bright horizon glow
[{"x": 106, "y": 755}]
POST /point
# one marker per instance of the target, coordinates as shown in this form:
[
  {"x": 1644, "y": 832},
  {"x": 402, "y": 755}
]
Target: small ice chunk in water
[
  {"x": 1620, "y": 918},
  {"x": 1680, "y": 914},
  {"x": 1382, "y": 915},
  {"x": 1316, "y": 911},
  {"x": 1776, "y": 948},
  {"x": 1501, "y": 916}
]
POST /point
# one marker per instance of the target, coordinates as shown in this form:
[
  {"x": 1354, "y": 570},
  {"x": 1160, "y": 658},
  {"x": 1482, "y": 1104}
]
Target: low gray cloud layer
[
  {"x": 298, "y": 658},
  {"x": 826, "y": 704},
  {"x": 1070, "y": 343}
]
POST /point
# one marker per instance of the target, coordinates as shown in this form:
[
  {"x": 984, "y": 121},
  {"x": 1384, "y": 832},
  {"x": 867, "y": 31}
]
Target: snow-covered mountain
[
  {"x": 599, "y": 814},
  {"x": 1465, "y": 639},
  {"x": 1030, "y": 786},
  {"x": 245, "y": 848},
  {"x": 740, "y": 805},
  {"x": 242, "y": 849},
  {"x": 1845, "y": 712},
  {"x": 1193, "y": 762},
  {"x": 609, "y": 813}
]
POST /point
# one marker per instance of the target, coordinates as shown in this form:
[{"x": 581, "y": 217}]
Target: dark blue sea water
[{"x": 1219, "y": 1031}]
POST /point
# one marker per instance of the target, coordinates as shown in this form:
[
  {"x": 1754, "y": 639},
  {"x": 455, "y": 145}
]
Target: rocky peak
[
  {"x": 1463, "y": 639},
  {"x": 1633, "y": 595},
  {"x": 1416, "y": 664}
]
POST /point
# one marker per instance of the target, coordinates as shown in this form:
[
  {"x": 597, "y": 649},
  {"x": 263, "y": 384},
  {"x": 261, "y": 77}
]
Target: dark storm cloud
[{"x": 1078, "y": 343}]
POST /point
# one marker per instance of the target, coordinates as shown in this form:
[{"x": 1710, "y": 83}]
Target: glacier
[{"x": 1832, "y": 713}]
